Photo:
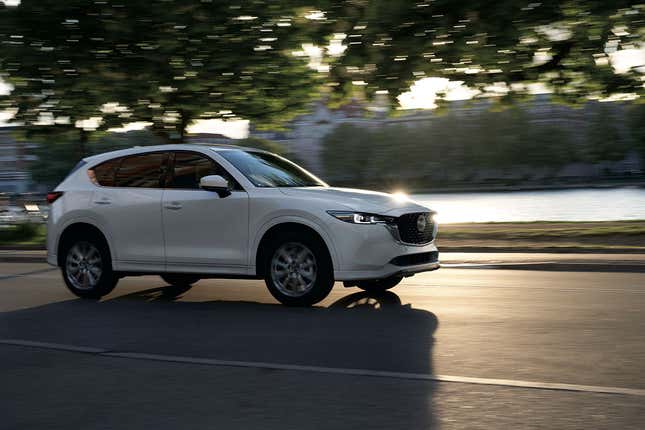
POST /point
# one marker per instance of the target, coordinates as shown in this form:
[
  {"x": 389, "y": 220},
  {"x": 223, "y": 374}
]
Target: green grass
[
  {"x": 23, "y": 234},
  {"x": 518, "y": 233},
  {"x": 584, "y": 235}
]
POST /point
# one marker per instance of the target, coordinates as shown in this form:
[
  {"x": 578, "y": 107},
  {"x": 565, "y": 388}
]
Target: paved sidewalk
[{"x": 22, "y": 256}]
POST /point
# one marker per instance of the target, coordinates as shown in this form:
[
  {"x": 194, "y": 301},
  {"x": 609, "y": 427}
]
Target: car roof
[{"x": 170, "y": 147}]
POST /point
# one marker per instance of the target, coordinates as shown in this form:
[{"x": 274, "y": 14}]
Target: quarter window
[
  {"x": 103, "y": 174},
  {"x": 142, "y": 171}
]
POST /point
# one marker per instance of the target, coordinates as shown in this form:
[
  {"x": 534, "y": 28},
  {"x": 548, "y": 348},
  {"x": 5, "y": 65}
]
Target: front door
[{"x": 203, "y": 232}]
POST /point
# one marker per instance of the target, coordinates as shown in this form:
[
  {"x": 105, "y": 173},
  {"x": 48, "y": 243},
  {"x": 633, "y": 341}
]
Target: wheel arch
[
  {"x": 274, "y": 229},
  {"x": 76, "y": 229}
]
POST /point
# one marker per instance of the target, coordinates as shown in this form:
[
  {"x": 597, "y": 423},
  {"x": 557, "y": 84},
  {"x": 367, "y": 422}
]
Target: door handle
[
  {"x": 103, "y": 202},
  {"x": 173, "y": 206}
]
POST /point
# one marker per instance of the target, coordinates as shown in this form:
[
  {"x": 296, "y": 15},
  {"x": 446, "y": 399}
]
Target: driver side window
[{"x": 188, "y": 168}]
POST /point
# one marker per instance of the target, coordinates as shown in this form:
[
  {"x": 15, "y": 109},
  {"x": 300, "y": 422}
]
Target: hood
[{"x": 358, "y": 200}]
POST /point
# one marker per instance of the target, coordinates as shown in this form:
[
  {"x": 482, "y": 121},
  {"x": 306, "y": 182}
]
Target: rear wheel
[
  {"x": 87, "y": 267},
  {"x": 180, "y": 280},
  {"x": 379, "y": 285},
  {"x": 298, "y": 270}
]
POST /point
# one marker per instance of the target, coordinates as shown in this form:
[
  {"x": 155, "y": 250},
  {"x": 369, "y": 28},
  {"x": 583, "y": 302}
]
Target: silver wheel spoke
[
  {"x": 293, "y": 269},
  {"x": 90, "y": 277},
  {"x": 307, "y": 275},
  {"x": 84, "y": 265}
]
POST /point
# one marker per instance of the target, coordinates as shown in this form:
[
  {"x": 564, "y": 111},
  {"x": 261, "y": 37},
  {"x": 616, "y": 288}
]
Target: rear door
[
  {"x": 128, "y": 203},
  {"x": 203, "y": 231}
]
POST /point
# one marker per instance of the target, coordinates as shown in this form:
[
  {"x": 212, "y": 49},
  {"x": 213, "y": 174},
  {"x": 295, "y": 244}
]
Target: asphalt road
[{"x": 457, "y": 348}]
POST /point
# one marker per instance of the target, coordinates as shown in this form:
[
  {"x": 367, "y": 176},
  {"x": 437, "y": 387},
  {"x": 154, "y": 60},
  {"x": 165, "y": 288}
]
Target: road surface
[{"x": 477, "y": 347}]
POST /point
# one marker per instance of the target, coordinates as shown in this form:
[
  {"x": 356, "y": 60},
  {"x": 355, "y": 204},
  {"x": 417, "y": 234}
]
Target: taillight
[{"x": 53, "y": 196}]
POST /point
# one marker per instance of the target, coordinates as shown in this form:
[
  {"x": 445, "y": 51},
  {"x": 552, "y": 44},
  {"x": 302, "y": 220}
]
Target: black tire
[
  {"x": 323, "y": 280},
  {"x": 104, "y": 282},
  {"x": 180, "y": 279},
  {"x": 379, "y": 285}
]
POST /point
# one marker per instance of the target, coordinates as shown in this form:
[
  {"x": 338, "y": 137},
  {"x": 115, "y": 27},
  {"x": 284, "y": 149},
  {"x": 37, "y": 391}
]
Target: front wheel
[
  {"x": 379, "y": 285},
  {"x": 298, "y": 270}
]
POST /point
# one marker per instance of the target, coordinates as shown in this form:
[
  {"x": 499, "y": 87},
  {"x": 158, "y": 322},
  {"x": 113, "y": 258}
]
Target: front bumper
[
  {"x": 371, "y": 252},
  {"x": 386, "y": 271}
]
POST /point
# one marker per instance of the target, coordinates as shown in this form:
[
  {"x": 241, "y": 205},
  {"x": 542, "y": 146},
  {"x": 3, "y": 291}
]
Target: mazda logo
[{"x": 422, "y": 222}]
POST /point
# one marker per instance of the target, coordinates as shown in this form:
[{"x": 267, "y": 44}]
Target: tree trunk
[
  {"x": 183, "y": 125},
  {"x": 161, "y": 133},
  {"x": 82, "y": 143}
]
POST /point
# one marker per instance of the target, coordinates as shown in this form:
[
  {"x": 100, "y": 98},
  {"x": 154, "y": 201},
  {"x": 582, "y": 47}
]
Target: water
[{"x": 557, "y": 205}]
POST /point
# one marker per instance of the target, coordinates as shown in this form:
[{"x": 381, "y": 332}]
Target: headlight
[{"x": 361, "y": 218}]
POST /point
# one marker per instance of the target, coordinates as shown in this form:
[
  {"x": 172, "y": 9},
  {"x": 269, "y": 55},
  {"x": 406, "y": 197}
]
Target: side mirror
[{"x": 215, "y": 183}]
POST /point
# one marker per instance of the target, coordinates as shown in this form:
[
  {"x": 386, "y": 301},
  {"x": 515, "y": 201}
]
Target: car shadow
[{"x": 372, "y": 332}]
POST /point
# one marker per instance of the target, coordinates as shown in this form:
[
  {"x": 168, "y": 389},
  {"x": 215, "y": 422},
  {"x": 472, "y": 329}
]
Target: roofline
[{"x": 168, "y": 147}]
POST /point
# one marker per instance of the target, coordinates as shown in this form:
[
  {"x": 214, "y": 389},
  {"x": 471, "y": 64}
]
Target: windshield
[{"x": 268, "y": 170}]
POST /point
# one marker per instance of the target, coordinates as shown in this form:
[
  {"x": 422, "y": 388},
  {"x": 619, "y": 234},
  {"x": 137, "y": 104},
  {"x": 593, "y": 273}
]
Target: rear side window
[
  {"x": 103, "y": 174},
  {"x": 142, "y": 171}
]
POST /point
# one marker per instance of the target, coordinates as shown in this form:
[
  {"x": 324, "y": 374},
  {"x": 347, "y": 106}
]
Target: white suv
[{"x": 188, "y": 212}]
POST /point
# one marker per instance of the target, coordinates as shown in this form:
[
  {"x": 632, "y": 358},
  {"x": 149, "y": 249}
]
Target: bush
[
  {"x": 22, "y": 233},
  {"x": 264, "y": 144},
  {"x": 458, "y": 148}
]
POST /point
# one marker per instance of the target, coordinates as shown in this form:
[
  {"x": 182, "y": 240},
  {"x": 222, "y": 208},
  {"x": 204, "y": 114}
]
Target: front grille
[
  {"x": 415, "y": 259},
  {"x": 409, "y": 232}
]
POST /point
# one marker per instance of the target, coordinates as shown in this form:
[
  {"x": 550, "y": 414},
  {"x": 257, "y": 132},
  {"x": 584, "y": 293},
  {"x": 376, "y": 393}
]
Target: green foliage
[
  {"x": 170, "y": 62},
  {"x": 347, "y": 151},
  {"x": 467, "y": 147},
  {"x": 391, "y": 43},
  {"x": 636, "y": 119},
  {"x": 264, "y": 144},
  {"x": 22, "y": 233},
  {"x": 167, "y": 62},
  {"x": 603, "y": 137}
]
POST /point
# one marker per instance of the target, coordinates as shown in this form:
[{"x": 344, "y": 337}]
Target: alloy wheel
[
  {"x": 293, "y": 269},
  {"x": 84, "y": 265}
]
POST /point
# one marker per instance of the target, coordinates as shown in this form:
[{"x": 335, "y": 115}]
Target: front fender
[{"x": 303, "y": 218}]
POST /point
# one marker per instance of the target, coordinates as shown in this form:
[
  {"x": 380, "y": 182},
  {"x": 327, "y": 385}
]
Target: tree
[
  {"x": 561, "y": 44},
  {"x": 170, "y": 62},
  {"x": 45, "y": 57},
  {"x": 204, "y": 60},
  {"x": 163, "y": 62},
  {"x": 636, "y": 119},
  {"x": 356, "y": 146}
]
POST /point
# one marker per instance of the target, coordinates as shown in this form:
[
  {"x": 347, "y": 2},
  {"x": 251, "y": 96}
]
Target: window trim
[{"x": 169, "y": 162}]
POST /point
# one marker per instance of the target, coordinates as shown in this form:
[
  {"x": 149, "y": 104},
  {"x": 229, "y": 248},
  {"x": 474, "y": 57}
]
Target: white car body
[{"x": 158, "y": 230}]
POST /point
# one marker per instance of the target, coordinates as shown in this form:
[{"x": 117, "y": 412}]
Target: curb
[
  {"x": 546, "y": 250},
  {"x": 553, "y": 267},
  {"x": 23, "y": 259}
]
